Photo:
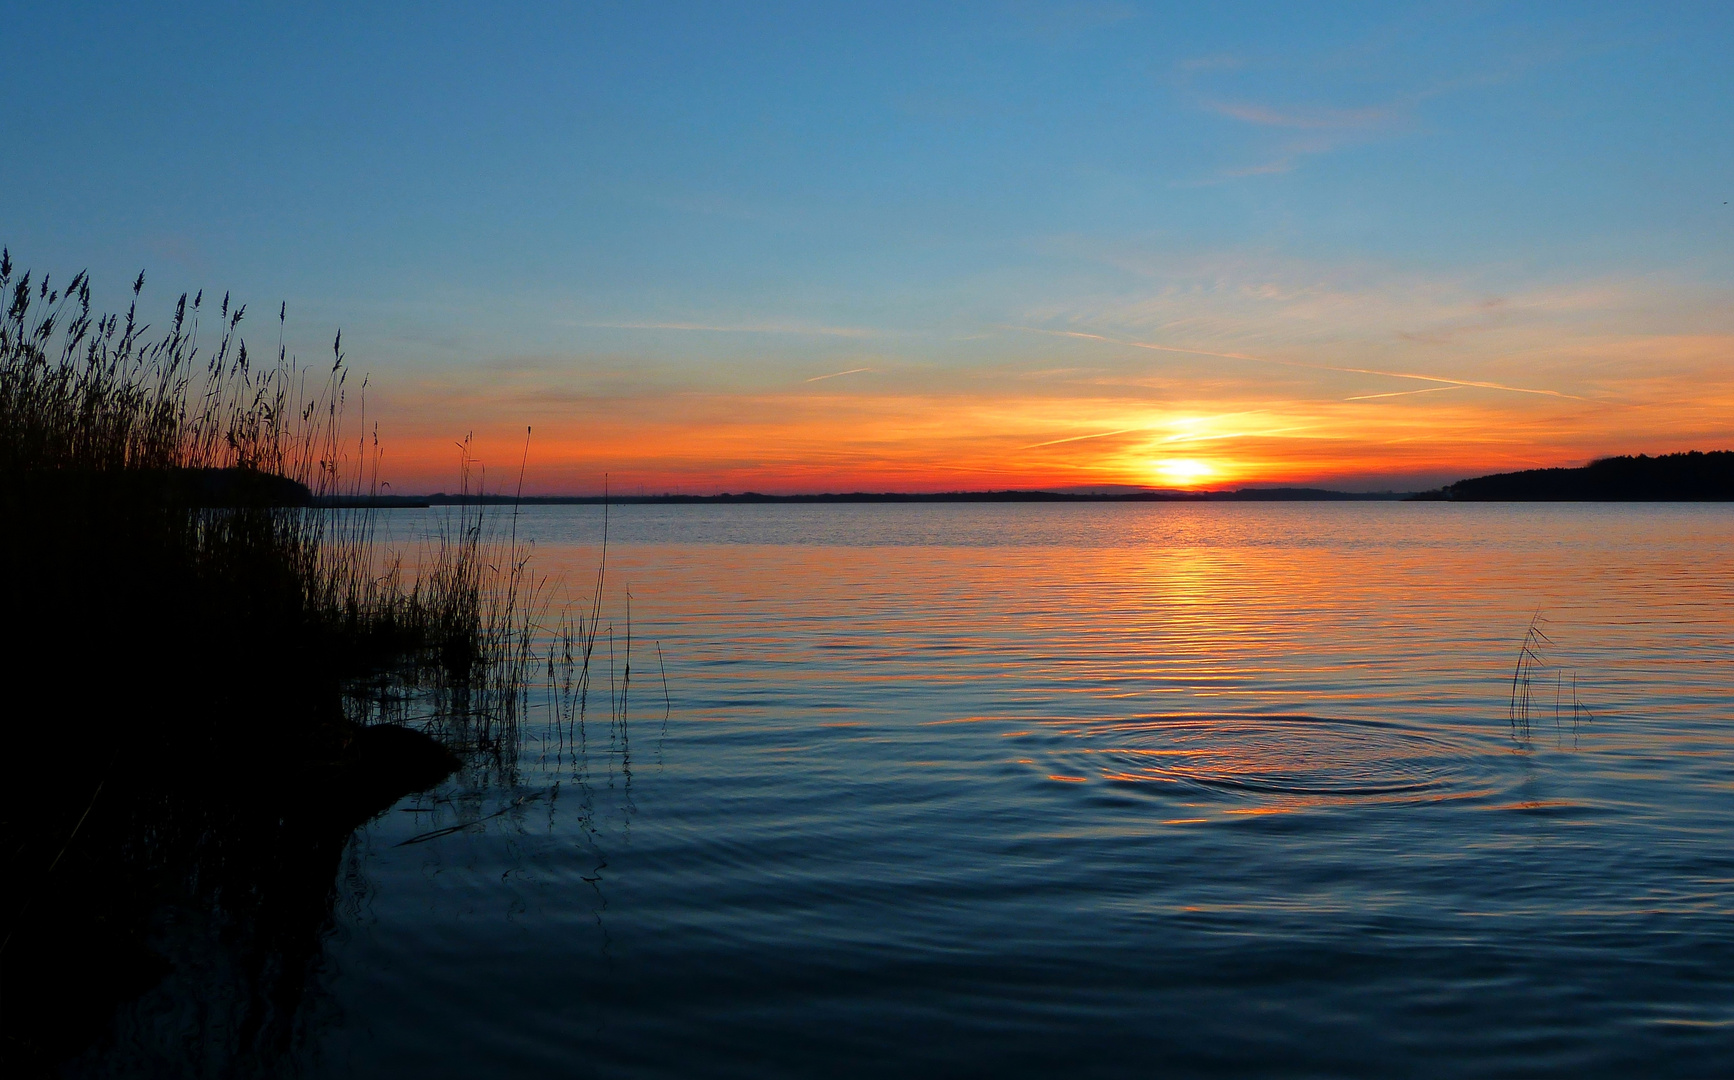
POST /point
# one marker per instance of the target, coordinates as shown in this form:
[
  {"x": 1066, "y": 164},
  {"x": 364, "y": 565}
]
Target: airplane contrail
[
  {"x": 715, "y": 328},
  {"x": 1301, "y": 364},
  {"x": 835, "y": 374},
  {"x": 1404, "y": 393},
  {"x": 1182, "y": 436},
  {"x": 1081, "y": 438}
]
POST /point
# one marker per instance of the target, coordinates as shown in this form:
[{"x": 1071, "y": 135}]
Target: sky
[{"x": 922, "y": 247}]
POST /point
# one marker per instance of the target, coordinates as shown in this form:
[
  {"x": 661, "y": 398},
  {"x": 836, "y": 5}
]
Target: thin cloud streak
[
  {"x": 839, "y": 374},
  {"x": 1402, "y": 393},
  {"x": 1302, "y": 119},
  {"x": 1302, "y": 364},
  {"x": 753, "y": 328},
  {"x": 1081, "y": 438},
  {"x": 1219, "y": 436}
]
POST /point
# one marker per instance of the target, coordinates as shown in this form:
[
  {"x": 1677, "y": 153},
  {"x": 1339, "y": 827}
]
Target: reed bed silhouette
[
  {"x": 168, "y": 457},
  {"x": 202, "y": 612}
]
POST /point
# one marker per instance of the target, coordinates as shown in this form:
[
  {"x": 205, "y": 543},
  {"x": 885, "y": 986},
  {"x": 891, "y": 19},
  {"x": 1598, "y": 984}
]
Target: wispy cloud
[
  {"x": 1373, "y": 88},
  {"x": 1361, "y": 312},
  {"x": 1404, "y": 393},
  {"x": 1445, "y": 381},
  {"x": 1082, "y": 438},
  {"x": 1304, "y": 118},
  {"x": 839, "y": 374},
  {"x": 737, "y": 328},
  {"x": 1272, "y": 167}
]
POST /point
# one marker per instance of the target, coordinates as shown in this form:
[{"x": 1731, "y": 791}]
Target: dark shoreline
[
  {"x": 754, "y": 497},
  {"x": 1688, "y": 477},
  {"x": 1695, "y": 476}
]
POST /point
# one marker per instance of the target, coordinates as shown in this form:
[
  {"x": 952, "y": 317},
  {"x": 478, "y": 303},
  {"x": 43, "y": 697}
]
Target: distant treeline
[
  {"x": 1689, "y": 477},
  {"x": 1243, "y": 495}
]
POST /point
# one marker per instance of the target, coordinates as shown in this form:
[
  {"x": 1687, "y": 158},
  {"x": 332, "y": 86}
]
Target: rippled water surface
[{"x": 1092, "y": 789}]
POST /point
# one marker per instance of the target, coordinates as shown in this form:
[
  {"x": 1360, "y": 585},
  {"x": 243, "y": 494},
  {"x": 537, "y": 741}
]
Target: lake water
[{"x": 1084, "y": 790}]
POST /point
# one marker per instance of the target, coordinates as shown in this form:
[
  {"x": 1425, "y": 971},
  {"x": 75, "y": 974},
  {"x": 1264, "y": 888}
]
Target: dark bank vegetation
[
  {"x": 1689, "y": 477},
  {"x": 197, "y": 638}
]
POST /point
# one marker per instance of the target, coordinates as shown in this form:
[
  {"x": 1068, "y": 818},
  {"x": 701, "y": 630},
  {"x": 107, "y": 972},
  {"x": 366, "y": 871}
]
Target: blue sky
[{"x": 597, "y": 204}]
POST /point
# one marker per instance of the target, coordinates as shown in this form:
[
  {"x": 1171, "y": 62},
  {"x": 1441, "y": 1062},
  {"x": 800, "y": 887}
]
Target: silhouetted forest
[{"x": 1689, "y": 477}]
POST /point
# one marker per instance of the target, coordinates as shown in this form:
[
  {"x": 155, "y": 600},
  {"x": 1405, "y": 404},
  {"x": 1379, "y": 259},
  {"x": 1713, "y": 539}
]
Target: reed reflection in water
[{"x": 1090, "y": 788}]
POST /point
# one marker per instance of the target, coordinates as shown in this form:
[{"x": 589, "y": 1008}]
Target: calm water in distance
[{"x": 1085, "y": 790}]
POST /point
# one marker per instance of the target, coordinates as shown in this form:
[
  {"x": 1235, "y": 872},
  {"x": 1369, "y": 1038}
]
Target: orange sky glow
[{"x": 1044, "y": 409}]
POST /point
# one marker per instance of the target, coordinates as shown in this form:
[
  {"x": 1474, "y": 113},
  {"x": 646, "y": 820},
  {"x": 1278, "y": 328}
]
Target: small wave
[{"x": 1288, "y": 759}]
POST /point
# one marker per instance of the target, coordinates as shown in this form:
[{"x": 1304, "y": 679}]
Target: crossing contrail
[
  {"x": 1301, "y": 364},
  {"x": 835, "y": 374}
]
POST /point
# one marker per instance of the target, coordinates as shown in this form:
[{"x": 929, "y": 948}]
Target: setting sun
[{"x": 1185, "y": 472}]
